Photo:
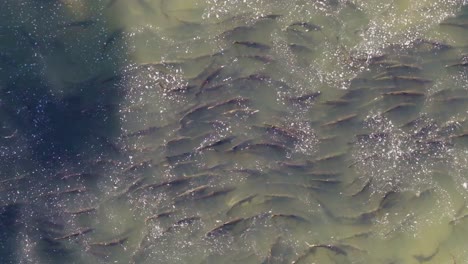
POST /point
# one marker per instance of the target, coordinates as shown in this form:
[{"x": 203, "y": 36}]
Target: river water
[{"x": 243, "y": 131}]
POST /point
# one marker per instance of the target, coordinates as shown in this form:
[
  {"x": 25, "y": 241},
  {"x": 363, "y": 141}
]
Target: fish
[
  {"x": 180, "y": 89},
  {"x": 77, "y": 175},
  {"x": 212, "y": 88},
  {"x": 131, "y": 187},
  {"x": 192, "y": 192},
  {"x": 59, "y": 193},
  {"x": 241, "y": 146},
  {"x": 101, "y": 162},
  {"x": 217, "y": 167},
  {"x": 144, "y": 132},
  {"x": 187, "y": 221},
  {"x": 455, "y": 24},
  {"x": 335, "y": 249},
  {"x": 182, "y": 223},
  {"x": 236, "y": 30},
  {"x": 217, "y": 143},
  {"x": 313, "y": 248},
  {"x": 202, "y": 175},
  {"x": 139, "y": 165},
  {"x": 305, "y": 98},
  {"x": 387, "y": 201},
  {"x": 294, "y": 217},
  {"x": 414, "y": 79},
  {"x": 461, "y": 135},
  {"x": 249, "y": 172},
  {"x": 252, "y": 44},
  {"x": 244, "y": 222},
  {"x": 446, "y": 92},
  {"x": 364, "y": 188},
  {"x": 177, "y": 142},
  {"x": 461, "y": 64},
  {"x": 152, "y": 186},
  {"x": 327, "y": 138},
  {"x": 79, "y": 232},
  {"x": 356, "y": 93},
  {"x": 372, "y": 136},
  {"x": 398, "y": 107},
  {"x": 278, "y": 197},
  {"x": 332, "y": 156},
  {"x": 12, "y": 135},
  {"x": 323, "y": 173},
  {"x": 157, "y": 216},
  {"x": 271, "y": 16},
  {"x": 299, "y": 48},
  {"x": 277, "y": 147},
  {"x": 223, "y": 228},
  {"x": 206, "y": 110},
  {"x": 233, "y": 101},
  {"x": 255, "y": 77},
  {"x": 208, "y": 79},
  {"x": 274, "y": 254},
  {"x": 288, "y": 133},
  {"x": 193, "y": 113},
  {"x": 405, "y": 93},
  {"x": 433, "y": 45},
  {"x": 384, "y": 61},
  {"x": 363, "y": 235},
  {"x": 404, "y": 67},
  {"x": 340, "y": 120},
  {"x": 185, "y": 166},
  {"x": 113, "y": 37},
  {"x": 415, "y": 122},
  {"x": 241, "y": 202},
  {"x": 452, "y": 99},
  {"x": 325, "y": 181},
  {"x": 215, "y": 193},
  {"x": 262, "y": 58},
  {"x": 303, "y": 166},
  {"x": 110, "y": 243},
  {"x": 304, "y": 25},
  {"x": 423, "y": 258},
  {"x": 241, "y": 112},
  {"x": 18, "y": 178},
  {"x": 458, "y": 219},
  {"x": 381, "y": 75}
]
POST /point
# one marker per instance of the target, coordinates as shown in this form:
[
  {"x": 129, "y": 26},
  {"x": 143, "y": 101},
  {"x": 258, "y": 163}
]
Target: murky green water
[{"x": 207, "y": 131}]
